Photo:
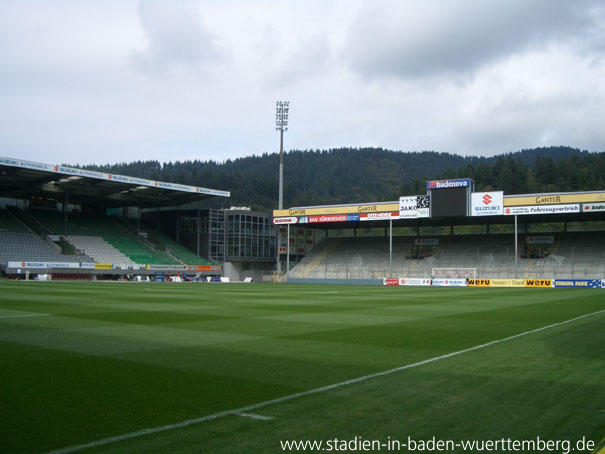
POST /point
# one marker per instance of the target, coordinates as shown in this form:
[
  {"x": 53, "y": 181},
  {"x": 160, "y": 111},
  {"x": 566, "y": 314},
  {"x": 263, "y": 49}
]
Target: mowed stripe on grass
[{"x": 108, "y": 363}]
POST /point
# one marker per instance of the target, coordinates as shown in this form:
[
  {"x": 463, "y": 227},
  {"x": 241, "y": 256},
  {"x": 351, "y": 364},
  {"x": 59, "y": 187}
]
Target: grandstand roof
[{"x": 24, "y": 179}]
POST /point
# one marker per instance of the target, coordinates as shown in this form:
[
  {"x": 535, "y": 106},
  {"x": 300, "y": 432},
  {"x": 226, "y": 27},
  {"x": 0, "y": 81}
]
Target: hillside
[{"x": 348, "y": 175}]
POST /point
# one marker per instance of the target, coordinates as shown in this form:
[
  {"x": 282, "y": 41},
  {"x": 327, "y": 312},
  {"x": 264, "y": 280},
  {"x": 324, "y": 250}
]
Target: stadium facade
[{"x": 162, "y": 228}]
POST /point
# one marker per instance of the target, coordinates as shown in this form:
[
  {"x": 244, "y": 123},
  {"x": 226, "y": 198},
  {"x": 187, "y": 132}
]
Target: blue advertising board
[{"x": 579, "y": 283}]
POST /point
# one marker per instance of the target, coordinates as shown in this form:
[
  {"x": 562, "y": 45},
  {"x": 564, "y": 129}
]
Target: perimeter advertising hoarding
[
  {"x": 487, "y": 203},
  {"x": 414, "y": 281},
  {"x": 390, "y": 281},
  {"x": 496, "y": 282},
  {"x": 538, "y": 283},
  {"x": 449, "y": 282},
  {"x": 41, "y": 265},
  {"x": 542, "y": 209},
  {"x": 479, "y": 282},
  {"x": 578, "y": 283},
  {"x": 507, "y": 282}
]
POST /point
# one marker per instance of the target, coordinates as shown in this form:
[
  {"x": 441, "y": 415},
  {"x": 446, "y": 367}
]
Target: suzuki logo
[{"x": 487, "y": 199}]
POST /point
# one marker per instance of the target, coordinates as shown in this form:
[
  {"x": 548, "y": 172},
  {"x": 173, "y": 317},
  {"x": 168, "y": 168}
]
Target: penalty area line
[{"x": 246, "y": 410}]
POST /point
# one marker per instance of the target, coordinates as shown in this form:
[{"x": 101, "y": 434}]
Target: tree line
[{"x": 352, "y": 175}]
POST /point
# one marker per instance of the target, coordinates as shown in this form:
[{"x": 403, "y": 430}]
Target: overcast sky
[{"x": 106, "y": 81}]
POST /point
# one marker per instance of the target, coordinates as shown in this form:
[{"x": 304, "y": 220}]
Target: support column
[
  {"x": 198, "y": 228},
  {"x": 390, "y": 248},
  {"x": 288, "y": 254},
  {"x": 178, "y": 223},
  {"x": 516, "y": 250}
]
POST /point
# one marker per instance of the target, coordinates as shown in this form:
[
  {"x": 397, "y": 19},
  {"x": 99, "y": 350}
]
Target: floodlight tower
[{"x": 281, "y": 125}]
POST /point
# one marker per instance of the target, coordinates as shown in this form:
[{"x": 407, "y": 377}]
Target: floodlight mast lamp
[{"x": 281, "y": 125}]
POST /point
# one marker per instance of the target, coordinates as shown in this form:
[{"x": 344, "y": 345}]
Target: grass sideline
[{"x": 108, "y": 359}]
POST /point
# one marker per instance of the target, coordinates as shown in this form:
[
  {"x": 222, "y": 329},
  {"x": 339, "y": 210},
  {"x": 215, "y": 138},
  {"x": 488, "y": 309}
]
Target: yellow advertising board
[
  {"x": 103, "y": 266},
  {"x": 508, "y": 282},
  {"x": 341, "y": 209},
  {"x": 553, "y": 199},
  {"x": 479, "y": 282},
  {"x": 538, "y": 283}
]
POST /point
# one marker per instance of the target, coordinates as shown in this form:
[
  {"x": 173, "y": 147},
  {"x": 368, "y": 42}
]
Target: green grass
[{"x": 115, "y": 358}]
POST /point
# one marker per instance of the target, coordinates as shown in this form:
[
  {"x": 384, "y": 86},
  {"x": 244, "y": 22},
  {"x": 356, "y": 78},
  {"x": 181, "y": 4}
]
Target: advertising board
[
  {"x": 41, "y": 265},
  {"x": 426, "y": 242},
  {"x": 538, "y": 283},
  {"x": 337, "y": 209},
  {"x": 414, "y": 281},
  {"x": 543, "y": 239},
  {"x": 408, "y": 207},
  {"x": 487, "y": 203},
  {"x": 542, "y": 209},
  {"x": 578, "y": 283},
  {"x": 550, "y": 199},
  {"x": 449, "y": 282},
  {"x": 379, "y": 216},
  {"x": 479, "y": 282},
  {"x": 391, "y": 281},
  {"x": 446, "y": 184},
  {"x": 507, "y": 282},
  {"x": 423, "y": 206},
  {"x": 286, "y": 220},
  {"x": 330, "y": 218},
  {"x": 588, "y": 207}
]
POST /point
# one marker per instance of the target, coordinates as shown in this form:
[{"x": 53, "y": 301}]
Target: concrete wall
[{"x": 295, "y": 280}]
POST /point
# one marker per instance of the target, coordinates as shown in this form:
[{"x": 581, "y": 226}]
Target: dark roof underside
[{"x": 23, "y": 183}]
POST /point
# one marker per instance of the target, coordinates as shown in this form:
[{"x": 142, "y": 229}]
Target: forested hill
[{"x": 350, "y": 175}]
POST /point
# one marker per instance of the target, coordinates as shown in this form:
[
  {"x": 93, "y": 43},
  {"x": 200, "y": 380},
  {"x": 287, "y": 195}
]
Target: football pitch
[{"x": 235, "y": 368}]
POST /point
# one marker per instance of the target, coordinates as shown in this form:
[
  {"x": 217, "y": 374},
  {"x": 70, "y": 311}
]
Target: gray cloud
[
  {"x": 176, "y": 37},
  {"x": 435, "y": 37}
]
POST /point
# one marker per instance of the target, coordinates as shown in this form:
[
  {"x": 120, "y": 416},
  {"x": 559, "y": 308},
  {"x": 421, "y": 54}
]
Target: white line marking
[
  {"x": 253, "y": 416},
  {"x": 21, "y": 316},
  {"x": 239, "y": 411}
]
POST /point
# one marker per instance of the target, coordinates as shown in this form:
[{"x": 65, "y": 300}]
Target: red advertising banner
[{"x": 391, "y": 281}]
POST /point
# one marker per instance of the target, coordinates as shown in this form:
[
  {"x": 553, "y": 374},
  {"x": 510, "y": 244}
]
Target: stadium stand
[
  {"x": 180, "y": 252},
  {"x": 103, "y": 239},
  {"x": 22, "y": 246},
  {"x": 98, "y": 249},
  {"x": 9, "y": 223},
  {"x": 574, "y": 255}
]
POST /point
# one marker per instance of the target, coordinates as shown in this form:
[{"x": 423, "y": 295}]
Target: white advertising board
[{"x": 487, "y": 203}]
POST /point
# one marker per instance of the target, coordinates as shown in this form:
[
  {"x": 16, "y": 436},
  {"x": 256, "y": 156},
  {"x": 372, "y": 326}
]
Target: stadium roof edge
[{"x": 20, "y": 178}]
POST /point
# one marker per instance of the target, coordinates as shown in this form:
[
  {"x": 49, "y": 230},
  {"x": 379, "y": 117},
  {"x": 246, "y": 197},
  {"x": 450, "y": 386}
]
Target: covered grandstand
[
  {"x": 71, "y": 222},
  {"x": 454, "y": 231}
]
